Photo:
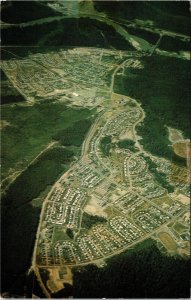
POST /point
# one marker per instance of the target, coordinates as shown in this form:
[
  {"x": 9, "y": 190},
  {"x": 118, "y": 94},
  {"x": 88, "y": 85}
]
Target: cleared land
[
  {"x": 167, "y": 241},
  {"x": 181, "y": 149}
]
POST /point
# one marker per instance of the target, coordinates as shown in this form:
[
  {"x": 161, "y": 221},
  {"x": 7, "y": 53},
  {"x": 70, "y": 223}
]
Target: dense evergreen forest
[
  {"x": 141, "y": 272},
  {"x": 169, "y": 43},
  {"x": 8, "y": 93},
  {"x": 127, "y": 144},
  {"x": 105, "y": 145},
  {"x": 160, "y": 177},
  {"x": 83, "y": 32},
  {"x": 163, "y": 89},
  {"x": 20, "y": 218},
  {"x": 37, "y": 177},
  {"x": 169, "y": 15},
  {"x": 75, "y": 134},
  {"x": 89, "y": 220},
  {"x": 25, "y": 11}
]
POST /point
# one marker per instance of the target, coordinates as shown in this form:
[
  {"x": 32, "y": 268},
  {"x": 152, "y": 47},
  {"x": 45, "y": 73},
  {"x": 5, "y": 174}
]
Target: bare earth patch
[
  {"x": 93, "y": 208},
  {"x": 56, "y": 281},
  {"x": 183, "y": 199},
  {"x": 185, "y": 251},
  {"x": 128, "y": 134}
]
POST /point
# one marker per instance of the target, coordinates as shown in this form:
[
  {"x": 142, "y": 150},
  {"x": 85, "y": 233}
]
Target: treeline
[
  {"x": 70, "y": 233},
  {"x": 141, "y": 272},
  {"x": 8, "y": 93},
  {"x": 75, "y": 134},
  {"x": 89, "y": 220}
]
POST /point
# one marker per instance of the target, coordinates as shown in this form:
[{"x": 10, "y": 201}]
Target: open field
[
  {"x": 167, "y": 241},
  {"x": 180, "y": 228},
  {"x": 178, "y": 174},
  {"x": 175, "y": 135},
  {"x": 181, "y": 149}
]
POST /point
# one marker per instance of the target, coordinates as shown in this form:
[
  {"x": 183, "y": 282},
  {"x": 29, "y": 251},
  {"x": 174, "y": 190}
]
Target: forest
[
  {"x": 105, "y": 145},
  {"x": 164, "y": 98},
  {"x": 160, "y": 177},
  {"x": 20, "y": 218},
  {"x": 141, "y": 272},
  {"x": 84, "y": 32},
  {"x": 158, "y": 12},
  {"x": 8, "y": 93},
  {"x": 89, "y": 220},
  {"x": 127, "y": 144},
  {"x": 73, "y": 135},
  {"x": 144, "y": 34},
  {"x": 30, "y": 130},
  {"x": 19, "y": 215},
  {"x": 37, "y": 177},
  {"x": 25, "y": 11},
  {"x": 169, "y": 43}
]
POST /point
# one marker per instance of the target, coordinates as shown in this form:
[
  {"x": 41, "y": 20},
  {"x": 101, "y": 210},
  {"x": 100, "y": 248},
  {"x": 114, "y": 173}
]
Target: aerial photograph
[{"x": 95, "y": 149}]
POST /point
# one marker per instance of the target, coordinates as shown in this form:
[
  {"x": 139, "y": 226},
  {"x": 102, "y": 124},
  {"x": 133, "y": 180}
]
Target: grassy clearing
[
  {"x": 181, "y": 149},
  {"x": 164, "y": 202},
  {"x": 179, "y": 228},
  {"x": 167, "y": 241},
  {"x": 59, "y": 234}
]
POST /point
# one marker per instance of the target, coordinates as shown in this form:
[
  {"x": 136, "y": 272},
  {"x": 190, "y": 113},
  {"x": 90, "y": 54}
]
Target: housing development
[
  {"x": 114, "y": 193},
  {"x": 115, "y": 184}
]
